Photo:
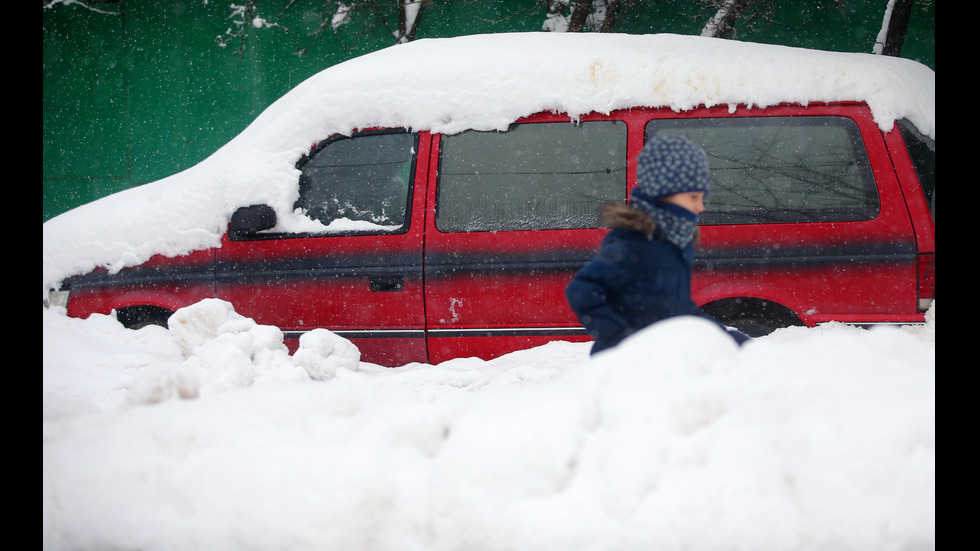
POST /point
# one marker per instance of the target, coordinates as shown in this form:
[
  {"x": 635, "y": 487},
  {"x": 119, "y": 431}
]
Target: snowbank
[
  {"x": 448, "y": 85},
  {"x": 805, "y": 439}
]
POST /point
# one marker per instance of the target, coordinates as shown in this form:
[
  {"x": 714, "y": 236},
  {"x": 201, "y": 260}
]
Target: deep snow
[
  {"x": 805, "y": 439},
  {"x": 209, "y": 435}
]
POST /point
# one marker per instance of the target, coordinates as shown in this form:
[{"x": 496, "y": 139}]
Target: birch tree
[
  {"x": 749, "y": 13},
  {"x": 409, "y": 15},
  {"x": 400, "y": 19},
  {"x": 581, "y": 15},
  {"x": 894, "y": 28}
]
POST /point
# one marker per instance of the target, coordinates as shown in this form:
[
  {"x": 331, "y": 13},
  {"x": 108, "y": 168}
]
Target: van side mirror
[{"x": 247, "y": 221}]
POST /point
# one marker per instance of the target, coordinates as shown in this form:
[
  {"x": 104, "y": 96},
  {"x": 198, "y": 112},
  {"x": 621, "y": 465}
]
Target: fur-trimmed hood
[{"x": 623, "y": 216}]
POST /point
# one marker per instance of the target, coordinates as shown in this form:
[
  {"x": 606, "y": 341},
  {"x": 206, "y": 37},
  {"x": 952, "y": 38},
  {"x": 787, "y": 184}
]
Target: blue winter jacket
[{"x": 635, "y": 281}]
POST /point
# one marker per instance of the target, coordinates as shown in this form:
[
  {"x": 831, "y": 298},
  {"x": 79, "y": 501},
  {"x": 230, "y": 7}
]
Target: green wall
[{"x": 142, "y": 93}]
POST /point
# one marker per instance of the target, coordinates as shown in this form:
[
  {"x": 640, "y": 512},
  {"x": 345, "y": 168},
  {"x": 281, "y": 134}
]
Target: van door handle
[{"x": 384, "y": 284}]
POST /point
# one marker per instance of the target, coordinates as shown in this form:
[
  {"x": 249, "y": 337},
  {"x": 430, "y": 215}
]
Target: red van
[
  {"x": 815, "y": 215},
  {"x": 452, "y": 245}
]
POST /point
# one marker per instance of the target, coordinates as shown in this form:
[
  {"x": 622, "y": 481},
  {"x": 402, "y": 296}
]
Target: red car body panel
[{"x": 165, "y": 282}]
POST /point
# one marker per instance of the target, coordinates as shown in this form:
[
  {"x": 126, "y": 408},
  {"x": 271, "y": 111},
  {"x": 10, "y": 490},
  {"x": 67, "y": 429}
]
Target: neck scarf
[{"x": 677, "y": 223}]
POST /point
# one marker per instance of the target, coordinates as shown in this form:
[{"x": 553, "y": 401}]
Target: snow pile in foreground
[
  {"x": 482, "y": 82},
  {"x": 805, "y": 439}
]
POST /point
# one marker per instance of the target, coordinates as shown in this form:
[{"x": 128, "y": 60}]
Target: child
[{"x": 643, "y": 272}]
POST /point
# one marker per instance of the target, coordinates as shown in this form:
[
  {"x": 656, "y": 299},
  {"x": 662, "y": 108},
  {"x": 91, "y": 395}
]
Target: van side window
[
  {"x": 781, "y": 169},
  {"x": 534, "y": 176},
  {"x": 359, "y": 183}
]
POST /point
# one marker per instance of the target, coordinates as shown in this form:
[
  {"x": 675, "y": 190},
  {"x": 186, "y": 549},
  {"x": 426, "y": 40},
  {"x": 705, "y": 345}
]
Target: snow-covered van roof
[{"x": 448, "y": 85}]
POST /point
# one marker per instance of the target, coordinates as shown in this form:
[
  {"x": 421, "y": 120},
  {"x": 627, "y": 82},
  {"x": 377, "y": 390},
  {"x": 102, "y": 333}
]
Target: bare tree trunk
[
  {"x": 722, "y": 25},
  {"x": 898, "y": 24},
  {"x": 580, "y": 15},
  {"x": 612, "y": 14},
  {"x": 596, "y": 15},
  {"x": 749, "y": 14},
  {"x": 409, "y": 15}
]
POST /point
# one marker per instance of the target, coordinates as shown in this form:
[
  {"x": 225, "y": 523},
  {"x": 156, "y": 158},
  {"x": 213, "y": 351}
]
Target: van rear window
[
  {"x": 534, "y": 176},
  {"x": 781, "y": 169},
  {"x": 922, "y": 151}
]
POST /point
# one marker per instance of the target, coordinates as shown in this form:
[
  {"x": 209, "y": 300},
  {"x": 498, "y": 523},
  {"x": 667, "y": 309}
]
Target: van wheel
[
  {"x": 136, "y": 317},
  {"x": 752, "y": 316}
]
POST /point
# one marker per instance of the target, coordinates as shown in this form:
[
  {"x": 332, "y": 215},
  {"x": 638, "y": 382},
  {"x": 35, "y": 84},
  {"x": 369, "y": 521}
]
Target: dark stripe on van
[
  {"x": 324, "y": 267},
  {"x": 551, "y": 261},
  {"x": 807, "y": 257},
  {"x": 142, "y": 275},
  {"x": 445, "y": 265},
  {"x": 810, "y": 256}
]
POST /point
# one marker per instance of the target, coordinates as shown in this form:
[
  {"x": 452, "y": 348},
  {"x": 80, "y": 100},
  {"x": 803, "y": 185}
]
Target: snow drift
[{"x": 676, "y": 440}]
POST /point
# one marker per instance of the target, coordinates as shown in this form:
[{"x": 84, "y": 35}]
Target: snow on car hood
[{"x": 448, "y": 85}]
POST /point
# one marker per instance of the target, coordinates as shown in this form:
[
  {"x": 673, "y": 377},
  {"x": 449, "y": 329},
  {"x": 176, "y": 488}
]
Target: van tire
[
  {"x": 137, "y": 317},
  {"x": 752, "y": 316}
]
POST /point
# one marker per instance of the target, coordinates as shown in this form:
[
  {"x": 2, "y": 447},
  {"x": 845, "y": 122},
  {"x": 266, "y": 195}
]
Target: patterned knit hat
[
  {"x": 669, "y": 165},
  {"x": 672, "y": 164}
]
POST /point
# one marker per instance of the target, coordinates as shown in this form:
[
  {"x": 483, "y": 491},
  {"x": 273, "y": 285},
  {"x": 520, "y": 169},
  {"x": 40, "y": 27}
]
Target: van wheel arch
[
  {"x": 753, "y": 316},
  {"x": 136, "y": 317}
]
